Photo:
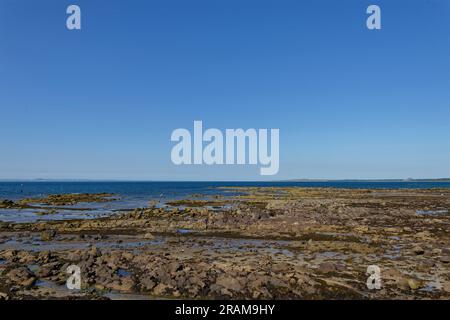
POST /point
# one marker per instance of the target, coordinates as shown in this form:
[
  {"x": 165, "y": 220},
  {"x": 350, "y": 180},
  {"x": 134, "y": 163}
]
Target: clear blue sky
[{"x": 101, "y": 103}]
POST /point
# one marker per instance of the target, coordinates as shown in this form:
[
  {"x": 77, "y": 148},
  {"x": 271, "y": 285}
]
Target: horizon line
[{"x": 280, "y": 180}]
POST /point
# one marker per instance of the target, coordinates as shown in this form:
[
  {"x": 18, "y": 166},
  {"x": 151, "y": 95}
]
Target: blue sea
[
  {"x": 138, "y": 194},
  {"x": 137, "y": 190}
]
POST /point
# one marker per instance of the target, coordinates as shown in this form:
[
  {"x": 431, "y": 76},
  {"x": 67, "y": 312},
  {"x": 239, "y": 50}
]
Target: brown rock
[
  {"x": 446, "y": 286},
  {"x": 94, "y": 252},
  {"x": 73, "y": 256},
  {"x": 124, "y": 285},
  {"x": 46, "y": 270},
  {"x": 147, "y": 284},
  {"x": 21, "y": 276},
  {"x": 327, "y": 267},
  {"x": 162, "y": 289},
  {"x": 10, "y": 254},
  {"x": 149, "y": 236},
  {"x": 413, "y": 284},
  {"x": 48, "y": 235},
  {"x": 229, "y": 283}
]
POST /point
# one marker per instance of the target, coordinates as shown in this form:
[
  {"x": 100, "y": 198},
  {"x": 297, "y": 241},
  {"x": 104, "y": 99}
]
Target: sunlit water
[{"x": 138, "y": 194}]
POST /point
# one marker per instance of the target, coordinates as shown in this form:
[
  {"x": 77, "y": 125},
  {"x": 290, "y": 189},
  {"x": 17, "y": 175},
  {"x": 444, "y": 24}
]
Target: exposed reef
[{"x": 263, "y": 243}]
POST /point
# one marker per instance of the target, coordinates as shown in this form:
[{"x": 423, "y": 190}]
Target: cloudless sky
[{"x": 102, "y": 102}]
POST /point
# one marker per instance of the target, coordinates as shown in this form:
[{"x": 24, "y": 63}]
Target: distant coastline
[
  {"x": 282, "y": 180},
  {"x": 368, "y": 180}
]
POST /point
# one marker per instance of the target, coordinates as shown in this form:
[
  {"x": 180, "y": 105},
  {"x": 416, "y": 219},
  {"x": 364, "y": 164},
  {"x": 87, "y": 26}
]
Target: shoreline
[{"x": 256, "y": 243}]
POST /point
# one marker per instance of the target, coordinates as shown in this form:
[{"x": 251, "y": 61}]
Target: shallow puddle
[
  {"x": 34, "y": 215},
  {"x": 36, "y": 245},
  {"x": 184, "y": 231},
  {"x": 123, "y": 273},
  {"x": 61, "y": 290},
  {"x": 126, "y": 296},
  {"x": 432, "y": 212}
]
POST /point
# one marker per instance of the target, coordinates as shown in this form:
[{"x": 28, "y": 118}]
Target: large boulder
[{"x": 21, "y": 276}]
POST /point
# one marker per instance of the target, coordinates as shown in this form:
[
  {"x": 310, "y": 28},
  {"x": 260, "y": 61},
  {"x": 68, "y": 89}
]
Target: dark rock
[{"x": 418, "y": 250}]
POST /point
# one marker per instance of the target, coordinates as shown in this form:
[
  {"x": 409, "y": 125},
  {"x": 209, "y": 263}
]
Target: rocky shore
[{"x": 256, "y": 243}]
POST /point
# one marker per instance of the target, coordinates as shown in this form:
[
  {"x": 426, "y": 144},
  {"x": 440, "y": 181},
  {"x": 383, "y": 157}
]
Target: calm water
[
  {"x": 137, "y": 194},
  {"x": 147, "y": 190}
]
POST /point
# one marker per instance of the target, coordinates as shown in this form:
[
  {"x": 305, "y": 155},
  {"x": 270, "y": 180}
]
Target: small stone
[
  {"x": 436, "y": 251},
  {"x": 446, "y": 286},
  {"x": 162, "y": 289},
  {"x": 46, "y": 270},
  {"x": 149, "y": 236},
  {"x": 99, "y": 287},
  {"x": 48, "y": 235},
  {"x": 147, "y": 284},
  {"x": 327, "y": 267},
  {"x": 10, "y": 254},
  {"x": 402, "y": 283},
  {"x": 94, "y": 252},
  {"x": 73, "y": 256},
  {"x": 413, "y": 284}
]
